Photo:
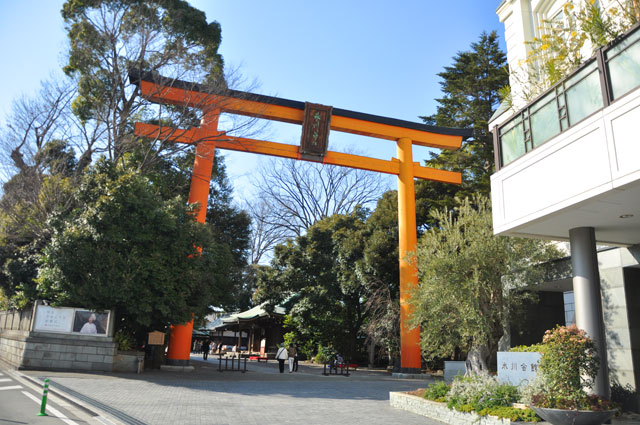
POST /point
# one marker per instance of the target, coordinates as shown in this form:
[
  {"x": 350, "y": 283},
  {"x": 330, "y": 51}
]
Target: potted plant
[{"x": 570, "y": 364}]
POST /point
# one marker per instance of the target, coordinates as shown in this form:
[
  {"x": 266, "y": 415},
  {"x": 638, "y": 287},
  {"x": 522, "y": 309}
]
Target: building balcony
[{"x": 571, "y": 158}]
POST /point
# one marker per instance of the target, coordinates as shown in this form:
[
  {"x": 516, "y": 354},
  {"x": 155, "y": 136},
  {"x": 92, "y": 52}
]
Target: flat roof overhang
[{"x": 615, "y": 216}]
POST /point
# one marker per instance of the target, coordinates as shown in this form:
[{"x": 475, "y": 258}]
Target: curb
[
  {"x": 422, "y": 376},
  {"x": 54, "y": 389}
]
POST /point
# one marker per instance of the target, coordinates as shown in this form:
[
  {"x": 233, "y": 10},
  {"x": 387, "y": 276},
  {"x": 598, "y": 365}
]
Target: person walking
[
  {"x": 295, "y": 358},
  {"x": 292, "y": 353},
  {"x": 281, "y": 356},
  {"x": 206, "y": 346}
]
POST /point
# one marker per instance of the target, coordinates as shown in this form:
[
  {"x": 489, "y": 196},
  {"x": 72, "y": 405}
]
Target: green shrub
[
  {"x": 537, "y": 386},
  {"x": 511, "y": 413},
  {"x": 467, "y": 389},
  {"x": 624, "y": 396},
  {"x": 307, "y": 350},
  {"x": 535, "y": 348},
  {"x": 466, "y": 408},
  {"x": 325, "y": 354},
  {"x": 569, "y": 363},
  {"x": 124, "y": 340},
  {"x": 480, "y": 391},
  {"x": 482, "y": 394},
  {"x": 289, "y": 338},
  {"x": 437, "y": 391},
  {"x": 502, "y": 395}
]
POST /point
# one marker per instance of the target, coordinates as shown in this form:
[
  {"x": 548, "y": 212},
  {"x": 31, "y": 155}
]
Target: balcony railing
[{"x": 613, "y": 72}]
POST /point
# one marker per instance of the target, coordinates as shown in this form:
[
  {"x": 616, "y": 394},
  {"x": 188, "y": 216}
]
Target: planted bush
[
  {"x": 537, "y": 386},
  {"x": 569, "y": 364},
  {"x": 480, "y": 392},
  {"x": 124, "y": 340},
  {"x": 437, "y": 391},
  {"x": 511, "y": 413},
  {"x": 534, "y": 348}
]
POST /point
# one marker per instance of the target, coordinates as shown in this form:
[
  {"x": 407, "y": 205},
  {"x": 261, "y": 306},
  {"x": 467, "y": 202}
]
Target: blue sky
[{"x": 377, "y": 57}]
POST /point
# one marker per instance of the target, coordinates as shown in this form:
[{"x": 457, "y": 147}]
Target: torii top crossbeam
[
  {"x": 177, "y": 92},
  {"x": 317, "y": 121}
]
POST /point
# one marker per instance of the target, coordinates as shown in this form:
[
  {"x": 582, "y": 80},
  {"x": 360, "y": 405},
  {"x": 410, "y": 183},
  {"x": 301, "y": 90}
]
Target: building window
[
  {"x": 547, "y": 13},
  {"x": 569, "y": 309},
  {"x": 623, "y": 64},
  {"x": 557, "y": 21}
]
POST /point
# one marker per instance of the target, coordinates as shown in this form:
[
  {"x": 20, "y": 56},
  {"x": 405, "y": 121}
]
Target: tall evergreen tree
[
  {"x": 125, "y": 247},
  {"x": 231, "y": 226},
  {"x": 470, "y": 96},
  {"x": 316, "y": 276},
  {"x": 54, "y": 144},
  {"x": 110, "y": 38}
]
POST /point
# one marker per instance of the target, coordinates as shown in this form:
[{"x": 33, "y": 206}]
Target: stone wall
[
  {"x": 440, "y": 412},
  {"x": 12, "y": 343},
  {"x": 131, "y": 361},
  {"x": 17, "y": 320},
  {"x": 613, "y": 266},
  {"x": 49, "y": 351}
]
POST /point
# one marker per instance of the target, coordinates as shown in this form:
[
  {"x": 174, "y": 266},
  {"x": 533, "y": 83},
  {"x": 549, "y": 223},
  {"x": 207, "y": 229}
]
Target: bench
[
  {"x": 258, "y": 358},
  {"x": 349, "y": 365},
  {"x": 344, "y": 368}
]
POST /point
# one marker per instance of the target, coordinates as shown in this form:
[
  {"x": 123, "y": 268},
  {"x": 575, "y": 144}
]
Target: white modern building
[{"x": 568, "y": 169}]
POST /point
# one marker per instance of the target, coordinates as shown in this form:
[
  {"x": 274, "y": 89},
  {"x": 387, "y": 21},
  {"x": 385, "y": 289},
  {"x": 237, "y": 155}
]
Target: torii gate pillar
[
  {"x": 407, "y": 244},
  {"x": 180, "y": 339}
]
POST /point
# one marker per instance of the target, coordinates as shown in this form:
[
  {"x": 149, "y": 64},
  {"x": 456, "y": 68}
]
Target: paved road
[
  {"x": 20, "y": 403},
  {"x": 262, "y": 396}
]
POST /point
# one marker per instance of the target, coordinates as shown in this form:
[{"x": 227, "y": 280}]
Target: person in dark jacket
[{"x": 206, "y": 346}]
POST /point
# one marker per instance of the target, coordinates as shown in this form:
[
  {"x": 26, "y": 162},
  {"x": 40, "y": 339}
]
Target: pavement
[
  {"x": 22, "y": 403},
  {"x": 261, "y": 396}
]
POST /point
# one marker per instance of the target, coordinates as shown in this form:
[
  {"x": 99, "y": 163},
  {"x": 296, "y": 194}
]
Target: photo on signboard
[{"x": 91, "y": 322}]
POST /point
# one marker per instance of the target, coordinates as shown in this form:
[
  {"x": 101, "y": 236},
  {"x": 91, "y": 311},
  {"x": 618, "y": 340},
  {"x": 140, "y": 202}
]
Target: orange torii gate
[{"x": 317, "y": 121}]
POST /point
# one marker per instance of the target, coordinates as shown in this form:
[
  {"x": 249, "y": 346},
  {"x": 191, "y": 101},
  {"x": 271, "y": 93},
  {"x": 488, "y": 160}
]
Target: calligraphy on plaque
[
  {"x": 315, "y": 131},
  {"x": 516, "y": 368}
]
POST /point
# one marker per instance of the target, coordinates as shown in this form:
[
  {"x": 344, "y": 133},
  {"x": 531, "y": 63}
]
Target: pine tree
[{"x": 470, "y": 87}]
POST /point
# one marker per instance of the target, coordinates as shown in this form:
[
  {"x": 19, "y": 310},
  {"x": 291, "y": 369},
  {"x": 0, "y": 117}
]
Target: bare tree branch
[
  {"x": 32, "y": 124},
  {"x": 264, "y": 236},
  {"x": 297, "y": 194},
  {"x": 383, "y": 313}
]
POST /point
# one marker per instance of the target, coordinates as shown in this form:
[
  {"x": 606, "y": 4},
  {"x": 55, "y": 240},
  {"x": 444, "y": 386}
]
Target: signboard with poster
[
  {"x": 53, "y": 319},
  {"x": 71, "y": 320},
  {"x": 91, "y": 322}
]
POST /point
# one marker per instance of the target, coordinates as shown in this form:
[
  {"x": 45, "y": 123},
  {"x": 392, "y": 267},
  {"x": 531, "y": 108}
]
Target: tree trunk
[
  {"x": 372, "y": 348},
  {"x": 477, "y": 362}
]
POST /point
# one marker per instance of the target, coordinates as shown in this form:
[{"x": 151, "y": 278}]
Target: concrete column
[{"x": 588, "y": 300}]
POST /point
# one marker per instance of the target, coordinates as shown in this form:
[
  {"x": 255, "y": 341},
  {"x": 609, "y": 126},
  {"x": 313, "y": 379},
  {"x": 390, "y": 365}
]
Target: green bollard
[{"x": 45, "y": 390}]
